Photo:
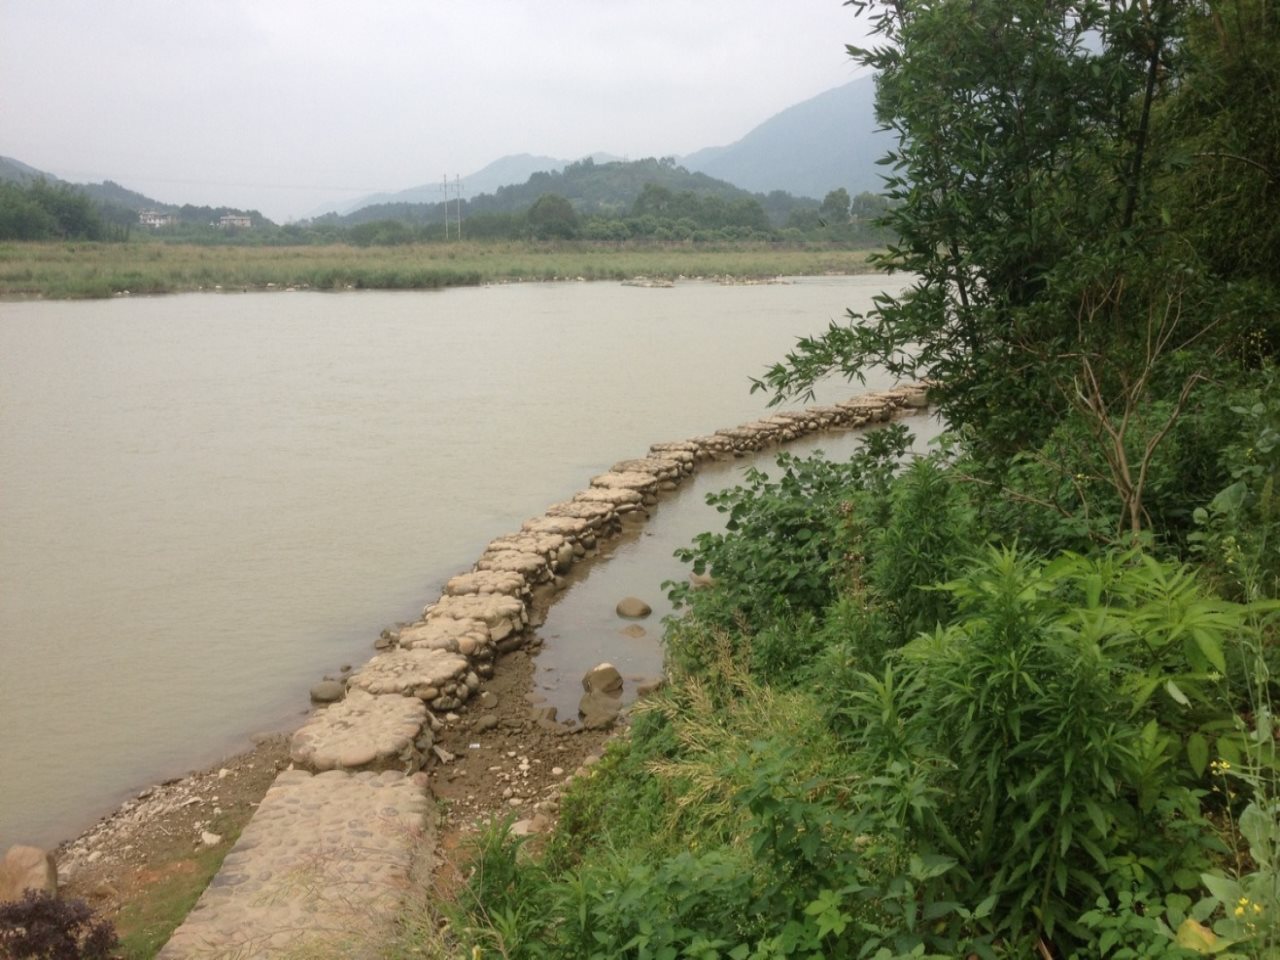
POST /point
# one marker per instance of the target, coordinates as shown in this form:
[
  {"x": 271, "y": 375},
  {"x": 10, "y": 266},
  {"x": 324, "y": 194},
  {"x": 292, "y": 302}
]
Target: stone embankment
[{"x": 328, "y": 854}]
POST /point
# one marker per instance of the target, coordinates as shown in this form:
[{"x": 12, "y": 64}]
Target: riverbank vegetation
[
  {"x": 78, "y": 270},
  {"x": 1015, "y": 698}
]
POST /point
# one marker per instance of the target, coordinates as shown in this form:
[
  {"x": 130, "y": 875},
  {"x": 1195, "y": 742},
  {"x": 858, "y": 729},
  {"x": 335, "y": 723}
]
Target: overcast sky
[{"x": 282, "y": 105}]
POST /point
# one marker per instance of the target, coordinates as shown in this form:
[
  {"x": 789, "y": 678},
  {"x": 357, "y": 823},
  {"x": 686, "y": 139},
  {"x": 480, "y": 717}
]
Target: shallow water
[
  {"x": 207, "y": 501},
  {"x": 583, "y": 628}
]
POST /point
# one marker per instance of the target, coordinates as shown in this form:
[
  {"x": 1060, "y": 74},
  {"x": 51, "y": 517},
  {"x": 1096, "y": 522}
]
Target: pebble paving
[
  {"x": 363, "y": 731},
  {"x": 320, "y": 870}
]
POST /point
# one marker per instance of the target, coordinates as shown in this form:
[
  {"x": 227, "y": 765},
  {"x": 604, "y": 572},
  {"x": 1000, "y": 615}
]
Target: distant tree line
[
  {"x": 650, "y": 199},
  {"x": 52, "y": 210},
  {"x": 658, "y": 214},
  {"x": 40, "y": 210}
]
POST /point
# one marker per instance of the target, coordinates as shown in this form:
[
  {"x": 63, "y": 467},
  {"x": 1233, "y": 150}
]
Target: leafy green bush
[
  {"x": 1239, "y": 536},
  {"x": 930, "y": 532},
  {"x": 786, "y": 540},
  {"x": 1028, "y": 740}
]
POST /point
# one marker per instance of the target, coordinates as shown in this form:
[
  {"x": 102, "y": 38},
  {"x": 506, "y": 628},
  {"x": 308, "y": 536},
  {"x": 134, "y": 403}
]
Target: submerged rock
[
  {"x": 328, "y": 691},
  {"x": 633, "y": 608}
]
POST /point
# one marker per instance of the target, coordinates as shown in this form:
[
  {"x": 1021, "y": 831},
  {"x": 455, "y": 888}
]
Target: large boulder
[
  {"x": 547, "y": 544},
  {"x": 658, "y": 467},
  {"x": 602, "y": 702},
  {"x": 572, "y": 528},
  {"x": 599, "y": 710},
  {"x": 626, "y": 480},
  {"x": 27, "y": 868},
  {"x": 598, "y": 515}
]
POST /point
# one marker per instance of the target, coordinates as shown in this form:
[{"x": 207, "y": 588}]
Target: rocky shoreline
[{"x": 444, "y": 705}]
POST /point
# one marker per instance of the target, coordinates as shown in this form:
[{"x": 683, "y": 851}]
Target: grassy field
[{"x": 85, "y": 270}]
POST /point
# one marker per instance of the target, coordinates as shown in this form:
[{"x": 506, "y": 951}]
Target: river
[{"x": 209, "y": 500}]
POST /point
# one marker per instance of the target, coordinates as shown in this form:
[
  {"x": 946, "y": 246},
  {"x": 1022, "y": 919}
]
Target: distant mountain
[
  {"x": 107, "y": 192},
  {"x": 119, "y": 204},
  {"x": 513, "y": 169},
  {"x": 608, "y": 189},
  {"x": 809, "y": 149},
  {"x": 110, "y": 192},
  {"x": 15, "y": 171}
]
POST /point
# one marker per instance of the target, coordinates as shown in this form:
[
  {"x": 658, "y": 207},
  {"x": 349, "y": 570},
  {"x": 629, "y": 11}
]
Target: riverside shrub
[
  {"x": 42, "y": 927},
  {"x": 787, "y": 539}
]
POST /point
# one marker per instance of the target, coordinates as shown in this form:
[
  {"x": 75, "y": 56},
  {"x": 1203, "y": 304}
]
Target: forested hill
[
  {"x": 15, "y": 171},
  {"x": 99, "y": 207},
  {"x": 827, "y": 142},
  {"x": 594, "y": 189},
  {"x": 107, "y": 193}
]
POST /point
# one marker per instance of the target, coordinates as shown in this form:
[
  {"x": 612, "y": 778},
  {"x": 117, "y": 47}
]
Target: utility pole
[
  {"x": 457, "y": 186},
  {"x": 445, "y": 189}
]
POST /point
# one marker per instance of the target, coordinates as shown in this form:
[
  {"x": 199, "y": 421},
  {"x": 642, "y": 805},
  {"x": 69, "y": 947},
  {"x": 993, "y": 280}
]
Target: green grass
[
  {"x": 145, "y": 924},
  {"x": 89, "y": 270}
]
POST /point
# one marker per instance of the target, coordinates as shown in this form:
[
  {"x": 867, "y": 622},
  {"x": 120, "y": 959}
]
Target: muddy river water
[{"x": 208, "y": 501}]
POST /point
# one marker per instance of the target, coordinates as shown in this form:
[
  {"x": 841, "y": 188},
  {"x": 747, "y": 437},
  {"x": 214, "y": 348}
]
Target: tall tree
[{"x": 1031, "y": 202}]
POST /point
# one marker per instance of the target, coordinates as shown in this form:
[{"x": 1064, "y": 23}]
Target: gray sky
[{"x": 286, "y": 104}]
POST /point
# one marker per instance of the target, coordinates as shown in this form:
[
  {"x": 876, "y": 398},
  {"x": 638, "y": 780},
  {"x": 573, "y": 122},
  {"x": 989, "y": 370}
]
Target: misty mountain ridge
[
  {"x": 818, "y": 145},
  {"x": 828, "y": 141},
  {"x": 608, "y": 189},
  {"x": 512, "y": 169},
  {"x": 119, "y": 204},
  {"x": 15, "y": 171},
  {"x": 807, "y": 150}
]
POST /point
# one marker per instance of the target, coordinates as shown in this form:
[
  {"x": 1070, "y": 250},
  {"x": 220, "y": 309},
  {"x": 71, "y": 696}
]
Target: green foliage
[
  {"x": 383, "y": 233},
  {"x": 1042, "y": 749},
  {"x": 1224, "y": 192},
  {"x": 1037, "y": 196},
  {"x": 1239, "y": 536},
  {"x": 1039, "y": 755},
  {"x": 1248, "y": 918},
  {"x": 930, "y": 533},
  {"x": 785, "y": 540},
  {"x": 835, "y": 206},
  {"x": 44, "y": 211},
  {"x": 1140, "y": 925},
  {"x": 552, "y": 217}
]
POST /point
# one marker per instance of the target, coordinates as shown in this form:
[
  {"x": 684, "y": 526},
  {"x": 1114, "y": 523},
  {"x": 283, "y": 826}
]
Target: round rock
[
  {"x": 328, "y": 691},
  {"x": 603, "y": 678},
  {"x": 633, "y": 608}
]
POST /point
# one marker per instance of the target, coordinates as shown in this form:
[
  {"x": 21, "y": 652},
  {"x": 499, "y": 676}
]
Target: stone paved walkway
[{"x": 321, "y": 869}]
